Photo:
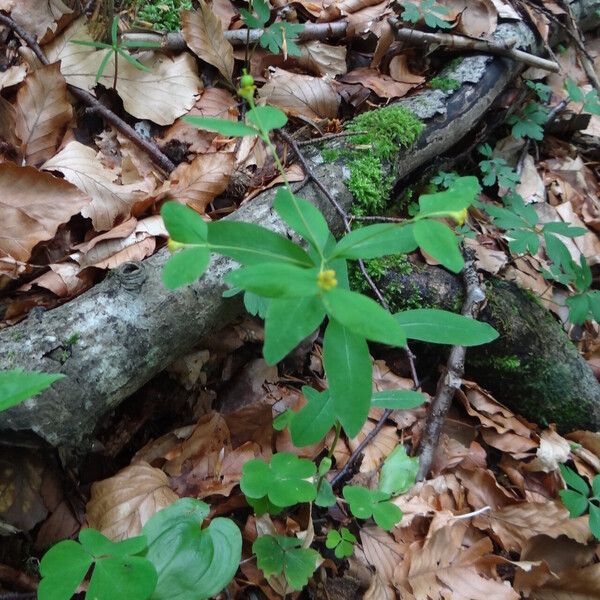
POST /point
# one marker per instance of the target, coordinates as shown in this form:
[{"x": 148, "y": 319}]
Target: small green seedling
[
  {"x": 496, "y": 170},
  {"x": 529, "y": 122},
  {"x": 117, "y": 48},
  {"x": 365, "y": 503},
  {"x": 589, "y": 99},
  {"x": 580, "y": 499},
  {"x": 341, "y": 542},
  {"x": 281, "y": 555},
  {"x": 428, "y": 10}
]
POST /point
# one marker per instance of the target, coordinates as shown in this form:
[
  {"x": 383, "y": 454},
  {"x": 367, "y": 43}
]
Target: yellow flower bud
[
  {"x": 459, "y": 216},
  {"x": 326, "y": 280},
  {"x": 173, "y": 246}
]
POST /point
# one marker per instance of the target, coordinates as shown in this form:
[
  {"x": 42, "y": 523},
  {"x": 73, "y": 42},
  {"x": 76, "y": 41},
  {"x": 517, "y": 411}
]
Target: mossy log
[
  {"x": 117, "y": 336},
  {"x": 532, "y": 367}
]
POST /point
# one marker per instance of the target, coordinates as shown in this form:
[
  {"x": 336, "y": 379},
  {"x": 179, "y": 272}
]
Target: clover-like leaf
[
  {"x": 287, "y": 480},
  {"x": 341, "y": 542},
  {"x": 365, "y": 503}
]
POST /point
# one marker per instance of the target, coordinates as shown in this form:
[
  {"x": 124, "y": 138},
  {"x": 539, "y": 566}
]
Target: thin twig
[
  {"x": 458, "y": 42},
  {"x": 110, "y": 117},
  {"x": 451, "y": 379}
]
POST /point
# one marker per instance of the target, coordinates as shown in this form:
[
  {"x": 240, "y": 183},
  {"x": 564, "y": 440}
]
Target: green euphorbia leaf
[
  {"x": 283, "y": 480},
  {"x": 17, "y": 385},
  {"x": 314, "y": 420},
  {"x": 277, "y": 555},
  {"x": 377, "y": 240},
  {"x": 287, "y": 323},
  {"x": 185, "y": 267},
  {"x": 222, "y": 126},
  {"x": 275, "y": 280},
  {"x": 266, "y": 117},
  {"x": 303, "y": 217},
  {"x": 444, "y": 327},
  {"x": 439, "y": 241},
  {"x": 348, "y": 368},
  {"x": 193, "y": 563},
  {"x": 184, "y": 225}
]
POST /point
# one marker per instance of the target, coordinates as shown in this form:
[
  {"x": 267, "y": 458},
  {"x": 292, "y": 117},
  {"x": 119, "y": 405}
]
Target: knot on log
[{"x": 131, "y": 276}]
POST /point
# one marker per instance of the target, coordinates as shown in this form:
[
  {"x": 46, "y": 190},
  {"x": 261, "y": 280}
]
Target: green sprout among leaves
[
  {"x": 580, "y": 499},
  {"x": 429, "y": 10},
  {"x": 117, "y": 48},
  {"x": 341, "y": 542}
]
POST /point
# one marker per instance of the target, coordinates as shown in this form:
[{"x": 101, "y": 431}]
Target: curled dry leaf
[
  {"x": 43, "y": 111},
  {"x": 65, "y": 280},
  {"x": 111, "y": 202},
  {"x": 203, "y": 33},
  {"x": 8, "y": 119},
  {"x": 198, "y": 183},
  {"x": 121, "y": 505},
  {"x": 39, "y": 16},
  {"x": 383, "y": 85},
  {"x": 301, "y": 95},
  {"x": 476, "y": 18},
  {"x": 399, "y": 71},
  {"x": 33, "y": 205},
  {"x": 161, "y": 95},
  {"x": 13, "y": 75}
]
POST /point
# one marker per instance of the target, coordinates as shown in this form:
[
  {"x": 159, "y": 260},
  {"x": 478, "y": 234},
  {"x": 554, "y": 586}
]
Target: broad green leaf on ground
[
  {"x": 111, "y": 201},
  {"x": 439, "y": 241},
  {"x": 444, "y": 327},
  {"x": 348, "y": 368},
  {"x": 314, "y": 419},
  {"x": 33, "y": 205},
  {"x": 398, "y": 472},
  {"x": 303, "y": 217},
  {"x": 62, "y": 569},
  {"x": 460, "y": 195},
  {"x": 275, "y": 280},
  {"x": 397, "y": 399},
  {"x": 193, "y": 563},
  {"x": 203, "y": 34},
  {"x": 301, "y": 95},
  {"x": 283, "y": 480},
  {"x": 325, "y": 496},
  {"x": 167, "y": 91},
  {"x": 17, "y": 385},
  {"x": 43, "y": 111},
  {"x": 363, "y": 316},
  {"x": 287, "y": 323},
  {"x": 280, "y": 555},
  {"x": 250, "y": 244},
  {"x": 198, "y": 183},
  {"x": 377, "y": 240}
]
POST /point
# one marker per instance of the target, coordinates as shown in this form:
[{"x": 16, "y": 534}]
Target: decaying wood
[{"x": 128, "y": 328}]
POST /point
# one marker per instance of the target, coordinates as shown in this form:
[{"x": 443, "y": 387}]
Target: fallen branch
[
  {"x": 153, "y": 152},
  {"x": 451, "y": 379},
  {"x": 458, "y": 42}
]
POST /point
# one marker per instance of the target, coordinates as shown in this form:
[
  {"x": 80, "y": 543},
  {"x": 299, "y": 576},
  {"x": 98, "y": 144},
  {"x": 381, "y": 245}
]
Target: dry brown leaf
[
  {"x": 554, "y": 450},
  {"x": 399, "y": 71},
  {"x": 39, "y": 16},
  {"x": 64, "y": 279},
  {"x": 8, "y": 118},
  {"x": 575, "y": 584},
  {"x": 203, "y": 33},
  {"x": 444, "y": 568},
  {"x": 121, "y": 505},
  {"x": 161, "y": 95},
  {"x": 301, "y": 95},
  {"x": 515, "y": 524},
  {"x": 363, "y": 21},
  {"x": 200, "y": 182},
  {"x": 476, "y": 18},
  {"x": 379, "y": 550},
  {"x": 33, "y": 205},
  {"x": 384, "y": 41},
  {"x": 13, "y": 75},
  {"x": 43, "y": 112},
  {"x": 483, "y": 489},
  {"x": 111, "y": 202},
  {"x": 383, "y": 85}
]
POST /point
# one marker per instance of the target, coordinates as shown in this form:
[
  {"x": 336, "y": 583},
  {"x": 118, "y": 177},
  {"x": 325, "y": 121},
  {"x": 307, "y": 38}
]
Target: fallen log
[{"x": 118, "y": 335}]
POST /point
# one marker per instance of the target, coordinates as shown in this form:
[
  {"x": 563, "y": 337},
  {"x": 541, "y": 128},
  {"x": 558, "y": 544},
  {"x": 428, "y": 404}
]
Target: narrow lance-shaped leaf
[
  {"x": 314, "y": 420},
  {"x": 222, "y": 126},
  {"x": 439, "y": 241},
  {"x": 275, "y": 280},
  {"x": 348, "y": 369},
  {"x": 377, "y": 240}
]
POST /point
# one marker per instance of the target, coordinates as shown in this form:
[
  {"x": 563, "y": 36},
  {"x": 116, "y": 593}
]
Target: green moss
[
  {"x": 369, "y": 185},
  {"x": 162, "y": 14},
  {"x": 505, "y": 364},
  {"x": 446, "y": 84},
  {"x": 379, "y": 134},
  {"x": 331, "y": 154}
]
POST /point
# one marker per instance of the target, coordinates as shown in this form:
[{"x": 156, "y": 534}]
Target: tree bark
[{"x": 114, "y": 338}]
